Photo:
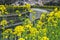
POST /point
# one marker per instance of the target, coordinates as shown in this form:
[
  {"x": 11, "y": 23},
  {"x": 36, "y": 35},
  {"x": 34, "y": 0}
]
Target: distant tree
[
  {"x": 53, "y": 3},
  {"x": 7, "y": 1}
]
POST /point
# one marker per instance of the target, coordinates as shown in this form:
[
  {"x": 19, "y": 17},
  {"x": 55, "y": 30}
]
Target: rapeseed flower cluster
[
  {"x": 6, "y": 33},
  {"x": 27, "y": 6},
  {"x": 21, "y": 39},
  {"x": 44, "y": 38},
  {"x": 4, "y": 22},
  {"x": 18, "y": 30},
  {"x": 47, "y": 27},
  {"x": 2, "y": 8}
]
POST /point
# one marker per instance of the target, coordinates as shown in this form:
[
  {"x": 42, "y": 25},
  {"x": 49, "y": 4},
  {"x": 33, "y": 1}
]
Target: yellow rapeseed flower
[
  {"x": 28, "y": 26},
  {"x": 6, "y": 13},
  {"x": 31, "y": 10},
  {"x": 56, "y": 9},
  {"x": 6, "y": 36},
  {"x": 40, "y": 22},
  {"x": 19, "y": 29},
  {"x": 8, "y": 31},
  {"x": 14, "y": 33},
  {"x": 28, "y": 6},
  {"x": 21, "y": 39},
  {"x": 49, "y": 19},
  {"x": 38, "y": 26},
  {"x": 4, "y": 22},
  {"x": 19, "y": 34},
  {"x": 44, "y": 30},
  {"x": 57, "y": 14},
  {"x": 33, "y": 17},
  {"x": 33, "y": 30},
  {"x": 17, "y": 11},
  {"x": 51, "y": 13},
  {"x": 44, "y": 38},
  {"x": 28, "y": 21},
  {"x": 19, "y": 14},
  {"x": 2, "y": 8},
  {"x": 42, "y": 16}
]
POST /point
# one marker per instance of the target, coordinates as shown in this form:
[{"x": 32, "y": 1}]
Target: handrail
[
  {"x": 12, "y": 25},
  {"x": 12, "y": 14}
]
